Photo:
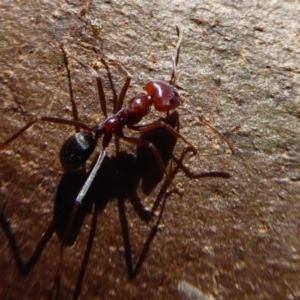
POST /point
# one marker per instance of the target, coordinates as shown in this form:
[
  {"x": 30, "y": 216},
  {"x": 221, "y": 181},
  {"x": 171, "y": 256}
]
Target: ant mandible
[{"x": 76, "y": 150}]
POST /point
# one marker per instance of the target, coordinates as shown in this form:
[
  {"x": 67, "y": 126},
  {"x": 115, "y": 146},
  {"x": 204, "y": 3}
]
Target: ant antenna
[
  {"x": 173, "y": 81},
  {"x": 206, "y": 123},
  {"x": 176, "y": 58}
]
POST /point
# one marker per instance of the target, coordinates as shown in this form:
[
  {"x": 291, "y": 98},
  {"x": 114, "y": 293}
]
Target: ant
[{"x": 77, "y": 149}]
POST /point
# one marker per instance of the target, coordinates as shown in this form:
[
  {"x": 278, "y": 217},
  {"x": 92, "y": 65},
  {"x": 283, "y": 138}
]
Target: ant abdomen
[{"x": 76, "y": 150}]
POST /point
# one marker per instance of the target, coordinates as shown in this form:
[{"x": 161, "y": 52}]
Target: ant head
[{"x": 165, "y": 96}]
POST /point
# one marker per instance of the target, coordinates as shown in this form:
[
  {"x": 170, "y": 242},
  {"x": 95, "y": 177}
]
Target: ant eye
[{"x": 172, "y": 101}]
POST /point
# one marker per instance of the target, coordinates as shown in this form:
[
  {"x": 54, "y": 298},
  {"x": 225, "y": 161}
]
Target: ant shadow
[{"x": 118, "y": 179}]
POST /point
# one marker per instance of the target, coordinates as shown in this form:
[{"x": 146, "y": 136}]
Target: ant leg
[
  {"x": 115, "y": 94},
  {"x": 196, "y": 175},
  {"x": 90, "y": 179},
  {"x": 125, "y": 86},
  {"x": 147, "y": 127},
  {"x": 98, "y": 80},
  {"x": 143, "y": 143},
  {"x": 46, "y": 119},
  {"x": 74, "y": 107},
  {"x": 70, "y": 224},
  {"x": 82, "y": 194},
  {"x": 204, "y": 122}
]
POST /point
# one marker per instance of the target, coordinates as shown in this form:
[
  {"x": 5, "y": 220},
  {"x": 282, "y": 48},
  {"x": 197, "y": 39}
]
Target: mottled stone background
[{"x": 234, "y": 238}]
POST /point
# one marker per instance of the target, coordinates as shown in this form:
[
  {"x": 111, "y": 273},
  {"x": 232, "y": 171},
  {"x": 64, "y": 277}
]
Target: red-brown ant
[
  {"x": 162, "y": 95},
  {"x": 76, "y": 150}
]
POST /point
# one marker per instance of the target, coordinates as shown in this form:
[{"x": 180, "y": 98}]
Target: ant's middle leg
[{"x": 147, "y": 127}]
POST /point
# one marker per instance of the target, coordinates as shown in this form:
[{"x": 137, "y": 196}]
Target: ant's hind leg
[
  {"x": 74, "y": 106},
  {"x": 46, "y": 119}
]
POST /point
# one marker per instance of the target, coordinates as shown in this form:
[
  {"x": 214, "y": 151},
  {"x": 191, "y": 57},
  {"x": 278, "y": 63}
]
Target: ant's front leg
[{"x": 157, "y": 124}]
